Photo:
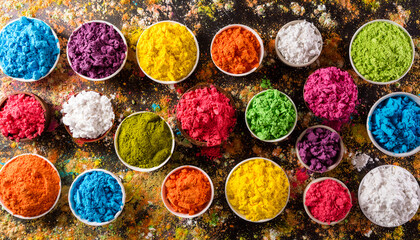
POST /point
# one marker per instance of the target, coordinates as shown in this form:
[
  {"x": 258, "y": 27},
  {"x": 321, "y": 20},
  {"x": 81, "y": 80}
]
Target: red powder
[
  {"x": 301, "y": 175},
  {"x": 328, "y": 201},
  {"x": 206, "y": 115},
  {"x": 22, "y": 117}
]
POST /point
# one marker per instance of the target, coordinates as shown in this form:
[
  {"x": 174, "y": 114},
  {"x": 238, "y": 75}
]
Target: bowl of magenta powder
[
  {"x": 23, "y": 116},
  {"x": 97, "y": 197},
  {"x": 327, "y": 201},
  {"x": 97, "y": 50},
  {"x": 320, "y": 148},
  {"x": 393, "y": 124}
]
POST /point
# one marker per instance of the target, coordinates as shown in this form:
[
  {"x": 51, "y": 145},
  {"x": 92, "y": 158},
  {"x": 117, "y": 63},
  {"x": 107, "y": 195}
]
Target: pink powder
[{"x": 22, "y": 116}]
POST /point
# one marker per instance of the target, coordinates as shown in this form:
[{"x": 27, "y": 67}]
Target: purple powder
[
  {"x": 96, "y": 50},
  {"x": 319, "y": 148}
]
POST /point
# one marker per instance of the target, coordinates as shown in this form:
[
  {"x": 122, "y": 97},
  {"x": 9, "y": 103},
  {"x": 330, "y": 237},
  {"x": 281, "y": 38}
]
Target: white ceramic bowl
[
  {"x": 96, "y": 223},
  {"x": 192, "y": 70},
  {"x": 273, "y": 140},
  {"x": 168, "y": 205},
  {"x": 389, "y": 153},
  {"x": 56, "y": 61},
  {"x": 261, "y": 49},
  {"x": 281, "y": 55},
  {"x": 117, "y": 133},
  {"x": 340, "y": 157},
  {"x": 118, "y": 70},
  {"x": 239, "y": 214},
  {"x": 351, "y": 59},
  {"x": 306, "y": 208},
  {"x": 56, "y": 200}
]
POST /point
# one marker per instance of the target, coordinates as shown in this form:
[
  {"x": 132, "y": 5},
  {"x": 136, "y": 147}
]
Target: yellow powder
[
  {"x": 167, "y": 51},
  {"x": 258, "y": 189}
]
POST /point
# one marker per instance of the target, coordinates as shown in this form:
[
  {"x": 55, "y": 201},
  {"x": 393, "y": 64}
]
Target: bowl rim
[
  {"x": 56, "y": 200},
  {"x": 95, "y": 224},
  {"x": 117, "y": 71},
  {"x": 412, "y": 49},
  {"x": 261, "y": 49},
  {"x": 165, "y": 201},
  {"x": 117, "y": 133},
  {"x": 233, "y": 170},
  {"x": 196, "y": 61}
]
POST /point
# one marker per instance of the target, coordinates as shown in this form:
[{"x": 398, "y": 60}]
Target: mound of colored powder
[
  {"x": 382, "y": 52},
  {"x": 96, "y": 197},
  {"x": 167, "y": 51},
  {"x": 28, "y": 49},
  {"x": 22, "y": 116},
  {"x": 236, "y": 50},
  {"x": 319, "y": 148},
  {"x": 328, "y": 201},
  {"x": 96, "y": 50},
  {"x": 188, "y": 191},
  {"x": 271, "y": 115},
  {"x": 331, "y": 94},
  {"x": 29, "y": 185},
  {"x": 395, "y": 124},
  {"x": 258, "y": 189},
  {"x": 206, "y": 115}
]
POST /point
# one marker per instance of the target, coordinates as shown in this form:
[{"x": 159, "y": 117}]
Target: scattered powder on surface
[{"x": 359, "y": 160}]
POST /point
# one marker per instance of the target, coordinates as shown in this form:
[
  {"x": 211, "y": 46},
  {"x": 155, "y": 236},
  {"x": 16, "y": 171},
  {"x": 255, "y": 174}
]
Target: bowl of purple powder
[{"x": 97, "y": 50}]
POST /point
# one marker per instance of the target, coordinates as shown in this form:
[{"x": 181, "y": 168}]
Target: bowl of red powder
[
  {"x": 206, "y": 115},
  {"x": 237, "y": 50},
  {"x": 33, "y": 195},
  {"x": 327, "y": 200},
  {"x": 23, "y": 116},
  {"x": 187, "y": 191}
]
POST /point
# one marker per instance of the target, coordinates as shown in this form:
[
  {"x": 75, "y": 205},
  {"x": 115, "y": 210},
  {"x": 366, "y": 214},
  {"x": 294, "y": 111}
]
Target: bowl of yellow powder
[
  {"x": 257, "y": 190},
  {"x": 167, "y": 52},
  {"x": 144, "y": 141}
]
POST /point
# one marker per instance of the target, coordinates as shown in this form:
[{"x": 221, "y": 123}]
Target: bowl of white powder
[{"x": 298, "y": 43}]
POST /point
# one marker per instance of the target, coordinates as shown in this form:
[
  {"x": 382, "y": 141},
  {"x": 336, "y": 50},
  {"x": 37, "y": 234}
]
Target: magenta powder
[
  {"x": 331, "y": 94},
  {"x": 96, "y": 50}
]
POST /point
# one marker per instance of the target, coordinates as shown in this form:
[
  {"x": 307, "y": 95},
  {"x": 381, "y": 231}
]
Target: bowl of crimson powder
[
  {"x": 327, "y": 200},
  {"x": 23, "y": 116},
  {"x": 33, "y": 195},
  {"x": 97, "y": 50}
]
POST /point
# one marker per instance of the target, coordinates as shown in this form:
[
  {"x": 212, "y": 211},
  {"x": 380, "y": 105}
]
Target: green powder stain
[
  {"x": 181, "y": 234},
  {"x": 265, "y": 82}
]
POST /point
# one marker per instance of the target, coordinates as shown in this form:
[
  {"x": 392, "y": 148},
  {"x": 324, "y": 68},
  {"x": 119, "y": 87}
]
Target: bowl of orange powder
[
  {"x": 187, "y": 191},
  {"x": 237, "y": 50},
  {"x": 30, "y": 186}
]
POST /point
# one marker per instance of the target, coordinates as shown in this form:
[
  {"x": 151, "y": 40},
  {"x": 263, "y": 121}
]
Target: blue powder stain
[
  {"x": 395, "y": 124},
  {"x": 28, "y": 49},
  {"x": 155, "y": 107},
  {"x": 96, "y": 197}
]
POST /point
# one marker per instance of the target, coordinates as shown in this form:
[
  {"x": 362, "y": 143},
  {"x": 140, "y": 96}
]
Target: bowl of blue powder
[
  {"x": 393, "y": 124},
  {"x": 96, "y": 197},
  {"x": 29, "y": 49}
]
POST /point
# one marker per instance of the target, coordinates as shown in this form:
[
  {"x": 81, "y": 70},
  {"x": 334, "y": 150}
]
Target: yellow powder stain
[{"x": 359, "y": 133}]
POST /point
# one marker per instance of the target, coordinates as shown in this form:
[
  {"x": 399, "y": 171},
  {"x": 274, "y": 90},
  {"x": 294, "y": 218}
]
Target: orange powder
[
  {"x": 188, "y": 191},
  {"x": 236, "y": 50},
  {"x": 29, "y": 185}
]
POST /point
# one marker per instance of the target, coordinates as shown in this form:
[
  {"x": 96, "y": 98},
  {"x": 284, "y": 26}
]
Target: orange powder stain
[{"x": 53, "y": 156}]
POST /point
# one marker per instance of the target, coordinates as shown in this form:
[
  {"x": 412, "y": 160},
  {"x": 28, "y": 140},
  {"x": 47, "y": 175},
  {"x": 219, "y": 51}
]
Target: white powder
[
  {"x": 360, "y": 160},
  {"x": 88, "y": 114},
  {"x": 299, "y": 43},
  {"x": 389, "y": 196}
]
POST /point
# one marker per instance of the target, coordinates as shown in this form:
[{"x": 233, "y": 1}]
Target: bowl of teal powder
[
  {"x": 381, "y": 52},
  {"x": 96, "y": 197},
  {"x": 144, "y": 141}
]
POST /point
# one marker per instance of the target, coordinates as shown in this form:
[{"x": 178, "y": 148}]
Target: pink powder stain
[
  {"x": 210, "y": 152},
  {"x": 301, "y": 175}
]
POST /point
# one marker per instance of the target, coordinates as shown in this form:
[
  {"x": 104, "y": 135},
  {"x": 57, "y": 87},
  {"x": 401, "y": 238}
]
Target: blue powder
[
  {"x": 96, "y": 197},
  {"x": 28, "y": 49},
  {"x": 395, "y": 124}
]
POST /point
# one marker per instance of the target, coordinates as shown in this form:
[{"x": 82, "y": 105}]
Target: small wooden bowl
[{"x": 44, "y": 105}]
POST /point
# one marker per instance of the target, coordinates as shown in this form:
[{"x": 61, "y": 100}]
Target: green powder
[
  {"x": 382, "y": 52},
  {"x": 144, "y": 140},
  {"x": 271, "y": 115}
]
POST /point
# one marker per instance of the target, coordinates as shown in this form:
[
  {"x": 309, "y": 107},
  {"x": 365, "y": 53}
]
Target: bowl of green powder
[
  {"x": 381, "y": 52},
  {"x": 144, "y": 141}
]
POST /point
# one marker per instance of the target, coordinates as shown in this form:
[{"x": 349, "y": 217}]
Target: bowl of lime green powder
[
  {"x": 381, "y": 52},
  {"x": 144, "y": 141}
]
